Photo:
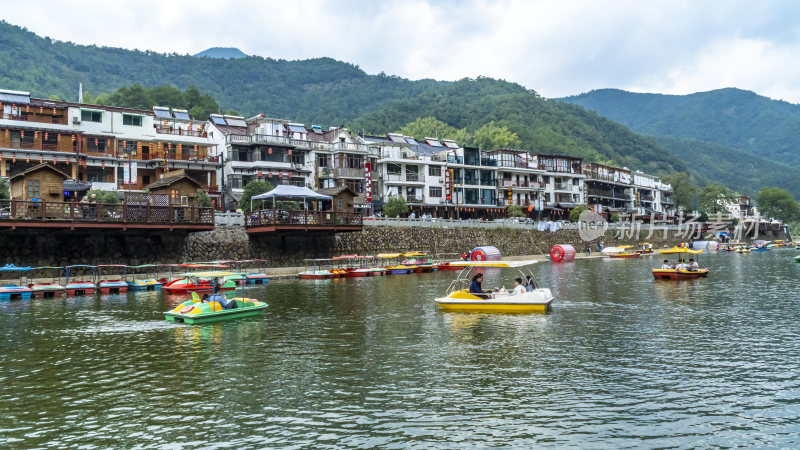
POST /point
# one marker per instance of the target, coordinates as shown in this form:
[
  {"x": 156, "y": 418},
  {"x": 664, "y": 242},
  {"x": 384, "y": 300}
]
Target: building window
[
  {"x": 175, "y": 196},
  {"x": 393, "y": 169},
  {"x": 128, "y": 119},
  {"x": 435, "y": 192},
  {"x": 356, "y": 186},
  {"x": 435, "y": 171},
  {"x": 33, "y": 188},
  {"x": 339, "y": 203},
  {"x": 91, "y": 116}
]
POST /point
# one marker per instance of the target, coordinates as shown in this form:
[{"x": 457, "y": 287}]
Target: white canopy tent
[{"x": 290, "y": 192}]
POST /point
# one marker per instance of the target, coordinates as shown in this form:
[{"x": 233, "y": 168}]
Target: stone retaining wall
[{"x": 47, "y": 248}]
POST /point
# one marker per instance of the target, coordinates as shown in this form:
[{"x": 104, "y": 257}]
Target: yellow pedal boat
[{"x": 537, "y": 300}]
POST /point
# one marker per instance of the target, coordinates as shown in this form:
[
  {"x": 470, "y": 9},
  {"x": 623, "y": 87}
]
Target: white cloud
[{"x": 557, "y": 48}]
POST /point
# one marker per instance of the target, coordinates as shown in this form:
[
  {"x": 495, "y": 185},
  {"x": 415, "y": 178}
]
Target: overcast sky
[{"x": 557, "y": 48}]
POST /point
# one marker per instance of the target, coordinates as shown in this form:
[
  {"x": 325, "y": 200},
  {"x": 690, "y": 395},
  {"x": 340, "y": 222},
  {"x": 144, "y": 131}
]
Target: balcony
[
  {"x": 180, "y": 132},
  {"x": 563, "y": 187},
  {"x": 60, "y": 118},
  {"x": 606, "y": 193},
  {"x": 404, "y": 178},
  {"x": 64, "y": 146},
  {"x": 65, "y": 215},
  {"x": 348, "y": 172},
  {"x": 415, "y": 177},
  {"x": 274, "y": 220}
]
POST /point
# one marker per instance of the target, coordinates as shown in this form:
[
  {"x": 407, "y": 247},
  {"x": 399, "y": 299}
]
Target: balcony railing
[
  {"x": 349, "y": 172},
  {"x": 302, "y": 219},
  {"x": 563, "y": 186},
  {"x": 415, "y": 177},
  {"x": 64, "y": 146},
  {"x": 59, "y": 119},
  {"x": 26, "y": 210},
  {"x": 180, "y": 132},
  {"x": 606, "y": 193}
]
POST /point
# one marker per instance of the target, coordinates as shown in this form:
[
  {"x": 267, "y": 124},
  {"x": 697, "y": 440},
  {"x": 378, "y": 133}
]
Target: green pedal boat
[{"x": 195, "y": 311}]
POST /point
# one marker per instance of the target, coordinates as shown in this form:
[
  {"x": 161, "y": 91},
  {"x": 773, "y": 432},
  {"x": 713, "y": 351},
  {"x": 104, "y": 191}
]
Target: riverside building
[{"x": 113, "y": 148}]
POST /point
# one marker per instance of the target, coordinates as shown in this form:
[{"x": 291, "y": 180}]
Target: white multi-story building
[{"x": 520, "y": 181}]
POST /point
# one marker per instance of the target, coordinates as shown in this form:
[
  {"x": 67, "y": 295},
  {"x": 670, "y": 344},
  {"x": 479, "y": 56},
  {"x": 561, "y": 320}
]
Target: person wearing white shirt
[
  {"x": 518, "y": 287},
  {"x": 693, "y": 265},
  {"x": 666, "y": 265}
]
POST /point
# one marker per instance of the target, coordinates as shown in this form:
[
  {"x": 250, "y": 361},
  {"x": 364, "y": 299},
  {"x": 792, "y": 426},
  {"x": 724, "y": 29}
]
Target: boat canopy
[
  {"x": 204, "y": 266},
  {"x": 389, "y": 255},
  {"x": 680, "y": 250},
  {"x": 148, "y": 265},
  {"x": 494, "y": 263},
  {"x": 209, "y": 274}
]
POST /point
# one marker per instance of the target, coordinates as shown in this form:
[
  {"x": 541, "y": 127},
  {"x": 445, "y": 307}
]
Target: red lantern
[
  {"x": 125, "y": 144},
  {"x": 7, "y": 132},
  {"x": 73, "y": 137},
  {"x": 269, "y": 151},
  {"x": 14, "y": 157},
  {"x": 290, "y": 152},
  {"x": 54, "y": 160},
  {"x": 27, "y": 158},
  {"x": 180, "y": 147},
  {"x": 103, "y": 165},
  {"x": 41, "y": 159},
  {"x": 46, "y": 135},
  {"x": 195, "y": 147},
  {"x": 95, "y": 142},
  {"x": 41, "y": 110},
  {"x": 59, "y": 137},
  {"x": 22, "y": 133},
  {"x": 108, "y": 143},
  {"x": 67, "y": 160},
  {"x": 27, "y": 108},
  {"x": 36, "y": 135},
  {"x": 54, "y": 111}
]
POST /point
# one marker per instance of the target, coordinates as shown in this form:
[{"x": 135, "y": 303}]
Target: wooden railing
[
  {"x": 180, "y": 132},
  {"x": 27, "y": 210},
  {"x": 60, "y": 117},
  {"x": 279, "y": 217}
]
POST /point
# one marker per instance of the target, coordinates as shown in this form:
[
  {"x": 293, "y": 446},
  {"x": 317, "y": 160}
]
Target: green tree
[
  {"x": 428, "y": 127},
  {"x": 615, "y": 217},
  {"x": 252, "y": 189},
  {"x": 575, "y": 214},
  {"x": 4, "y": 192},
  {"x": 683, "y": 188},
  {"x": 106, "y": 197},
  {"x": 515, "y": 211},
  {"x": 492, "y": 136},
  {"x": 778, "y": 203},
  {"x": 713, "y": 198},
  {"x": 395, "y": 206},
  {"x": 203, "y": 200},
  {"x": 135, "y": 96}
]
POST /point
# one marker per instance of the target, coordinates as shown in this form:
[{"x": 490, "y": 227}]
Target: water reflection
[{"x": 622, "y": 360}]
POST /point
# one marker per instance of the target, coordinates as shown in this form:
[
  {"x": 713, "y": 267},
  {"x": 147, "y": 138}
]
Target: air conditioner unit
[{"x": 76, "y": 119}]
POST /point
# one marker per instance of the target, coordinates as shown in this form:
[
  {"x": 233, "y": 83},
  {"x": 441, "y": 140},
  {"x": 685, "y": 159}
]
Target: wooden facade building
[{"x": 42, "y": 182}]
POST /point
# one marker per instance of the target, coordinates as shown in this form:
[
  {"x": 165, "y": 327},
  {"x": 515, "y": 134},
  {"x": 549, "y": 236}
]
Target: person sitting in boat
[
  {"x": 519, "y": 287},
  {"x": 693, "y": 265},
  {"x": 529, "y": 284},
  {"x": 666, "y": 265},
  {"x": 476, "y": 289}
]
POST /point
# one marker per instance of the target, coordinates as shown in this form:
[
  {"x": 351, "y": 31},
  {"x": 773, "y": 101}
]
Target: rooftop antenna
[{"x": 80, "y": 92}]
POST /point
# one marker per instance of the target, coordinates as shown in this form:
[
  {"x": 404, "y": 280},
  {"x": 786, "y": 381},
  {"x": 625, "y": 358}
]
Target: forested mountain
[
  {"x": 321, "y": 90},
  {"x": 327, "y": 92},
  {"x": 739, "y": 170},
  {"x": 546, "y": 126},
  {"x": 729, "y": 117}
]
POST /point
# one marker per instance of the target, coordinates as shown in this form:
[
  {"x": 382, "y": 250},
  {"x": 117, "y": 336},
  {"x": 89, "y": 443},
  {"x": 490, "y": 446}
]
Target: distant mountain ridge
[
  {"x": 221, "y": 52},
  {"x": 327, "y": 92},
  {"x": 729, "y": 136},
  {"x": 729, "y": 117}
]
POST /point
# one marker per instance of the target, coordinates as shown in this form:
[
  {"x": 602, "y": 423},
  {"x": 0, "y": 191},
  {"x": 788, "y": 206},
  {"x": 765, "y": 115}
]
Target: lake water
[{"x": 622, "y": 361}]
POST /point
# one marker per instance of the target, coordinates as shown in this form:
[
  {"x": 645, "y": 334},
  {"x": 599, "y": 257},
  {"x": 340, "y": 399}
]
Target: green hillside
[
  {"x": 545, "y": 126},
  {"x": 729, "y": 117},
  {"x": 741, "y": 171},
  {"x": 321, "y": 90}
]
